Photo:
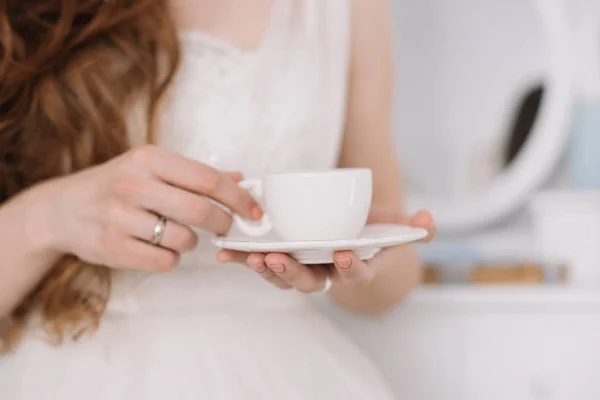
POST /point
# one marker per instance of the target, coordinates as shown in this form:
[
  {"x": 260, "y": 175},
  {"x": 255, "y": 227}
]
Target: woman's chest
[{"x": 234, "y": 112}]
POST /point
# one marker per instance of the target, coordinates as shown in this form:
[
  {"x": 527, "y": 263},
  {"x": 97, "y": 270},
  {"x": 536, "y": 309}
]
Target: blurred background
[{"x": 498, "y": 132}]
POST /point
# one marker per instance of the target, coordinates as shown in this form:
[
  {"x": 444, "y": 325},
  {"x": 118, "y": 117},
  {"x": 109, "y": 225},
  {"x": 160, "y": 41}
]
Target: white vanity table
[
  {"x": 487, "y": 343},
  {"x": 495, "y": 343}
]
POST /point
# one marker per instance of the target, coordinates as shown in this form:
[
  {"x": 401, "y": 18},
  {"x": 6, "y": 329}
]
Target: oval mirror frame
[{"x": 540, "y": 154}]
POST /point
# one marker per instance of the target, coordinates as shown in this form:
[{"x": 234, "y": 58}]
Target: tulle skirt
[{"x": 287, "y": 353}]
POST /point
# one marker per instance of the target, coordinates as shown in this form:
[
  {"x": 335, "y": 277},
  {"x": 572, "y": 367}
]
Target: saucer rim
[{"x": 245, "y": 243}]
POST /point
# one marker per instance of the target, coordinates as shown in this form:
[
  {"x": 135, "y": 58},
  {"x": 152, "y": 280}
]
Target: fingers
[
  {"x": 424, "y": 219},
  {"x": 284, "y": 272},
  {"x": 230, "y": 256},
  {"x": 280, "y": 270},
  {"x": 130, "y": 253},
  {"x": 184, "y": 207},
  {"x": 177, "y": 237},
  {"x": 258, "y": 263},
  {"x": 351, "y": 269},
  {"x": 291, "y": 272},
  {"x": 200, "y": 179}
]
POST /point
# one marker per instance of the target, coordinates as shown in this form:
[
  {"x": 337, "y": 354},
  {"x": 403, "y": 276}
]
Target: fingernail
[
  {"x": 277, "y": 267},
  {"x": 257, "y": 213},
  {"x": 259, "y": 268},
  {"x": 343, "y": 263}
]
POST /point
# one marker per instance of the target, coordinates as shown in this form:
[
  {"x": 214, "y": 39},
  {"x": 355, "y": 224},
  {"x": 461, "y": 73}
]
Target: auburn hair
[{"x": 68, "y": 71}]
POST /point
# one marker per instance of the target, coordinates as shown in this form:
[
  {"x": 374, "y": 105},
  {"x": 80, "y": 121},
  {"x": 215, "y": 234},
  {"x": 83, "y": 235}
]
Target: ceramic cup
[{"x": 328, "y": 205}]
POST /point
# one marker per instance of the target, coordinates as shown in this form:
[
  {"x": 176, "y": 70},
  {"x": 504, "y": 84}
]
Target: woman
[{"x": 220, "y": 89}]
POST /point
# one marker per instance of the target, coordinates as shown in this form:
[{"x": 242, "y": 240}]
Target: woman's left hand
[{"x": 286, "y": 273}]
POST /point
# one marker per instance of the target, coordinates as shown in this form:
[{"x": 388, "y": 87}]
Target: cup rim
[{"x": 321, "y": 173}]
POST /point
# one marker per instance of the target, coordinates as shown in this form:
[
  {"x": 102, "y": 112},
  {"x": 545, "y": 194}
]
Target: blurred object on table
[
  {"x": 431, "y": 275},
  {"x": 507, "y": 274},
  {"x": 495, "y": 273}
]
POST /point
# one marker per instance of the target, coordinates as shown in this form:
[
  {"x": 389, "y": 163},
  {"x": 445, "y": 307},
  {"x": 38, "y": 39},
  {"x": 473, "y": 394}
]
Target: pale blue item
[{"x": 584, "y": 147}]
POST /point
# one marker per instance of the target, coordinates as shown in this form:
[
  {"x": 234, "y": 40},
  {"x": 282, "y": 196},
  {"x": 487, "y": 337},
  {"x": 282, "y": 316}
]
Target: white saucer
[{"x": 372, "y": 239}]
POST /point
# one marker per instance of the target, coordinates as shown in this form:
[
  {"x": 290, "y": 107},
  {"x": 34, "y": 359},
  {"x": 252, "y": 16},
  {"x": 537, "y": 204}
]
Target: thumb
[
  {"x": 386, "y": 216},
  {"x": 235, "y": 176}
]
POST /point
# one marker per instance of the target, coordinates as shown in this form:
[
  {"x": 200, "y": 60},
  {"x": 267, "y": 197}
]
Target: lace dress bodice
[
  {"x": 280, "y": 107},
  {"x": 277, "y": 108}
]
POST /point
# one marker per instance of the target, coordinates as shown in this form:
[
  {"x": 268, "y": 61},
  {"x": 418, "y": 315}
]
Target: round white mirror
[{"x": 482, "y": 104}]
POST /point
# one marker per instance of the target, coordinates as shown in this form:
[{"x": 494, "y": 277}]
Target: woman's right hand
[{"x": 107, "y": 214}]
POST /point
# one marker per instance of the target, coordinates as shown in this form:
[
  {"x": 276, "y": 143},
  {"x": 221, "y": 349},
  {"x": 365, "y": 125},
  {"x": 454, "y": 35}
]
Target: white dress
[{"x": 208, "y": 331}]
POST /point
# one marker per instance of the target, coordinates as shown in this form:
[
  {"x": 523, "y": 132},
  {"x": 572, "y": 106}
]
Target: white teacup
[{"x": 326, "y": 205}]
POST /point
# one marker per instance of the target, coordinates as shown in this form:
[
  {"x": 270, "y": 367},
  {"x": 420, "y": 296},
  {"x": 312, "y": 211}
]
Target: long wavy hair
[{"x": 68, "y": 71}]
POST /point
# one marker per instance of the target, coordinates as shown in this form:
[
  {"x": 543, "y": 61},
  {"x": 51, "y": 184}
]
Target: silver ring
[
  {"x": 327, "y": 285},
  {"x": 159, "y": 231}
]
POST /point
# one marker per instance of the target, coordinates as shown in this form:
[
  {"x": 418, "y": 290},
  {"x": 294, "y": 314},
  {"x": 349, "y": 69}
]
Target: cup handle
[{"x": 264, "y": 226}]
